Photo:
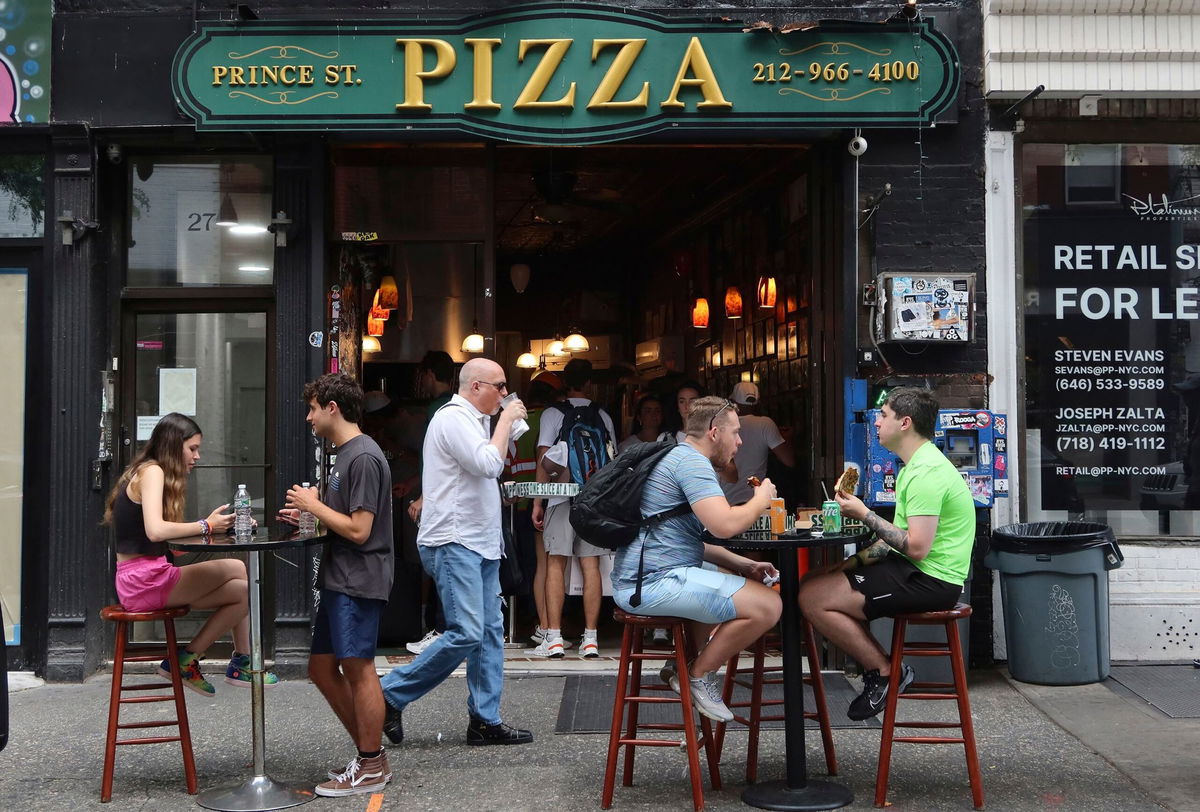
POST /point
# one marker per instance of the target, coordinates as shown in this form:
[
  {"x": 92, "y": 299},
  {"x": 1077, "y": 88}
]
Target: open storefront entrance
[{"x": 705, "y": 263}]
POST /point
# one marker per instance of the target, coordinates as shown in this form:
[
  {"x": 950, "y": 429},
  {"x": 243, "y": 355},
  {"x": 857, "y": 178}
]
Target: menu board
[{"x": 1112, "y": 318}]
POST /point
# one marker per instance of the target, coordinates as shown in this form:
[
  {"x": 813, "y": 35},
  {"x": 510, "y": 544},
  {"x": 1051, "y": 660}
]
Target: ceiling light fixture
[
  {"x": 247, "y": 230},
  {"x": 555, "y": 347},
  {"x": 371, "y": 344},
  {"x": 700, "y": 313},
  {"x": 227, "y": 214},
  {"x": 733, "y": 303},
  {"x": 527, "y": 360},
  {"x": 766, "y": 291},
  {"x": 520, "y": 274},
  {"x": 388, "y": 295},
  {"x": 576, "y": 342}
]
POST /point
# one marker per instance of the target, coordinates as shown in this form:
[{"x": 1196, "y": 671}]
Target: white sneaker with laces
[
  {"x": 706, "y": 696},
  {"x": 589, "y": 648},
  {"x": 424, "y": 643},
  {"x": 539, "y": 637},
  {"x": 549, "y": 648}
]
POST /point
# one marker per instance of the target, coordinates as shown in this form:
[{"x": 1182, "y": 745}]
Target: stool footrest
[
  {"x": 142, "y": 700},
  {"x": 928, "y": 725},
  {"x": 928, "y": 740},
  {"x": 652, "y": 700},
  {"x": 148, "y": 740},
  {"x": 926, "y": 687},
  {"x": 142, "y": 725},
  {"x": 647, "y": 742},
  {"x": 145, "y": 686},
  {"x": 911, "y": 695}
]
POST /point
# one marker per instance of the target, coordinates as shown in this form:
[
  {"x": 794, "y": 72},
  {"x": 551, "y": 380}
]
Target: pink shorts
[{"x": 144, "y": 583}]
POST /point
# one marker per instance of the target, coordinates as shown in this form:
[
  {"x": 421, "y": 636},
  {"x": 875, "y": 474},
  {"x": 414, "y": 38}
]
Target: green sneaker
[
  {"x": 189, "y": 671},
  {"x": 238, "y": 672}
]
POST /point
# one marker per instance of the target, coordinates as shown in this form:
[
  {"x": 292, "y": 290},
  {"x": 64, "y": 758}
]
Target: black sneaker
[
  {"x": 393, "y": 724},
  {"x": 874, "y": 694},
  {"x": 480, "y": 733}
]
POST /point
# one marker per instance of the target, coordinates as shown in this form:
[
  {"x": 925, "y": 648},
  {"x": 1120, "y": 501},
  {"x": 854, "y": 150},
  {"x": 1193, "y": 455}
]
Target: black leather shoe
[
  {"x": 393, "y": 724},
  {"x": 480, "y": 733}
]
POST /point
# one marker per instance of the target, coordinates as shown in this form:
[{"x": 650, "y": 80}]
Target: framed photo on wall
[
  {"x": 793, "y": 348},
  {"x": 769, "y": 338},
  {"x": 781, "y": 341}
]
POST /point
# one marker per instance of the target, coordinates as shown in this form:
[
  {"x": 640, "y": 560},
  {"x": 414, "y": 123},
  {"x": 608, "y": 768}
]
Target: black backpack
[{"x": 607, "y": 511}]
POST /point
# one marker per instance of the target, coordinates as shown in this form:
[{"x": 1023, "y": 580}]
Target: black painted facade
[{"x": 111, "y": 84}]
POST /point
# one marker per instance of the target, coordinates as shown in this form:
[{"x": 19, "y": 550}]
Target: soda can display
[{"x": 831, "y": 517}]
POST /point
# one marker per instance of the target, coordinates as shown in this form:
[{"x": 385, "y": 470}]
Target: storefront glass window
[
  {"x": 1111, "y": 270},
  {"x": 200, "y": 221},
  {"x": 22, "y": 196}
]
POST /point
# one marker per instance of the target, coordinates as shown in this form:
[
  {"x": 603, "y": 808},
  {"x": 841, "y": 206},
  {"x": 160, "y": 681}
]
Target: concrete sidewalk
[{"x": 1084, "y": 748}]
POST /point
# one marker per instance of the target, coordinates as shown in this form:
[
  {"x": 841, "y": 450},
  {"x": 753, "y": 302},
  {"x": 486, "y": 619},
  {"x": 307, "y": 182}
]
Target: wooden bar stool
[
  {"x": 123, "y": 619},
  {"x": 629, "y": 695},
  {"x": 956, "y": 690},
  {"x": 758, "y": 677}
]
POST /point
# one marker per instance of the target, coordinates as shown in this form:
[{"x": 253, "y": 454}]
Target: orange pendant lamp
[
  {"x": 375, "y": 327},
  {"x": 700, "y": 313},
  {"x": 388, "y": 295},
  {"x": 766, "y": 291},
  {"x": 733, "y": 303}
]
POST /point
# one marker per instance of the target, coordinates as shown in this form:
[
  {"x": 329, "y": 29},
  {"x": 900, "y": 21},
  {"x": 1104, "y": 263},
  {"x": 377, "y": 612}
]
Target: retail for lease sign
[
  {"x": 562, "y": 74},
  {"x": 1112, "y": 314}
]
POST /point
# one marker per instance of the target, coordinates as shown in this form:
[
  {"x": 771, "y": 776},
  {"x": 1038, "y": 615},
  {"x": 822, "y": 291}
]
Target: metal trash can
[{"x": 1054, "y": 586}]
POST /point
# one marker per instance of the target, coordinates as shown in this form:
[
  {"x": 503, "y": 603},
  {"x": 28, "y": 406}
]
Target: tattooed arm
[{"x": 913, "y": 542}]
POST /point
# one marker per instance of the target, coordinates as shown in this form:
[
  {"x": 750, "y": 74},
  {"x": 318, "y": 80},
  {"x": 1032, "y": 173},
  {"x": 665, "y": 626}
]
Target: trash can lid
[{"x": 1032, "y": 538}]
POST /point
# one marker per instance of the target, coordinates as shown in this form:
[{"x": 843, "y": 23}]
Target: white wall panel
[{"x": 1074, "y": 47}]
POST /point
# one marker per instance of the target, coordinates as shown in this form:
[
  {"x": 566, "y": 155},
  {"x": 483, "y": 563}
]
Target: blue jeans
[{"x": 469, "y": 587}]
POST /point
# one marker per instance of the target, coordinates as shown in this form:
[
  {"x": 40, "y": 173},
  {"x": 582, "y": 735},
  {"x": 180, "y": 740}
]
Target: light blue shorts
[{"x": 701, "y": 593}]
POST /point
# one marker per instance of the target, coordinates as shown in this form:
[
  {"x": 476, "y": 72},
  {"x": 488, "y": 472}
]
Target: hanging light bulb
[
  {"x": 575, "y": 342},
  {"x": 474, "y": 342},
  {"x": 371, "y": 344},
  {"x": 388, "y": 295},
  {"x": 519, "y": 274},
  {"x": 700, "y": 313},
  {"x": 733, "y": 303},
  {"x": 378, "y": 312},
  {"x": 766, "y": 291},
  {"x": 527, "y": 360},
  {"x": 227, "y": 214},
  {"x": 555, "y": 347}
]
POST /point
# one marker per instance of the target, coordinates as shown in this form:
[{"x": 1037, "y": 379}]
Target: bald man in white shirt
[{"x": 460, "y": 541}]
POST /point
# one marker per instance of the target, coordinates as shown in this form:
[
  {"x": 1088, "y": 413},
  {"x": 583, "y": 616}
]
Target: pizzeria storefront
[{"x": 700, "y": 197}]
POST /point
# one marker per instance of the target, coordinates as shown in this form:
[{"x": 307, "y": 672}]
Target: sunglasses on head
[{"x": 728, "y": 404}]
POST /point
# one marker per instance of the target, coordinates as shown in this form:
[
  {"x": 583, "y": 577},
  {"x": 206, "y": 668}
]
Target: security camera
[
  {"x": 113, "y": 151},
  {"x": 857, "y": 146}
]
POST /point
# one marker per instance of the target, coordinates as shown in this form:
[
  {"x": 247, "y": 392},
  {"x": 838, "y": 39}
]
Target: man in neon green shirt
[{"x": 917, "y": 564}]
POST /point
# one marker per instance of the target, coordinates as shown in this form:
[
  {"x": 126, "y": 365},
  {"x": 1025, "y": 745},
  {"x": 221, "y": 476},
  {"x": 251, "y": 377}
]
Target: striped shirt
[{"x": 683, "y": 475}]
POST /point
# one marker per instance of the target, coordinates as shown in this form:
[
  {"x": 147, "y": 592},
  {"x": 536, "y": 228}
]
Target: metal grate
[{"x": 1173, "y": 689}]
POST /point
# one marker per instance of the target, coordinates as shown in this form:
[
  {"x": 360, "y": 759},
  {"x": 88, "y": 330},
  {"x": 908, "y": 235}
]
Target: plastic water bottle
[
  {"x": 308, "y": 522},
  {"x": 243, "y": 524}
]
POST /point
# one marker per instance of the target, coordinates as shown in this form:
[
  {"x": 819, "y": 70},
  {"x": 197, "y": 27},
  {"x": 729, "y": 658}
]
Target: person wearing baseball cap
[{"x": 760, "y": 437}]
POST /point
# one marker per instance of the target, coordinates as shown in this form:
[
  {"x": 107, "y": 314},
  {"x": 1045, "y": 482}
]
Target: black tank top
[{"x": 130, "y": 528}]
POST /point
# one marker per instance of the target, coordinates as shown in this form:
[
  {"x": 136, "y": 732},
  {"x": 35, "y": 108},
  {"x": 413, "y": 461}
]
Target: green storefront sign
[{"x": 562, "y": 74}]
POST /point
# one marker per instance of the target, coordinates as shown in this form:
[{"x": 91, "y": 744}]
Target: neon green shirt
[{"x": 930, "y": 485}]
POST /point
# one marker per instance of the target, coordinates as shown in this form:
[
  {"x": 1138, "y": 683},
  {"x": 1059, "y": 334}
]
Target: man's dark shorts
[
  {"x": 346, "y": 626},
  {"x": 895, "y": 586}
]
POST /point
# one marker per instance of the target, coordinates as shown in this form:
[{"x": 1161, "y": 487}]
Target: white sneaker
[
  {"x": 539, "y": 635},
  {"x": 549, "y": 648},
  {"x": 424, "y": 643},
  {"x": 706, "y": 696},
  {"x": 589, "y": 648}
]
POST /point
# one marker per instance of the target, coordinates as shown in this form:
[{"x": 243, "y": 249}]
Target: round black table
[
  {"x": 260, "y": 792},
  {"x": 796, "y": 792}
]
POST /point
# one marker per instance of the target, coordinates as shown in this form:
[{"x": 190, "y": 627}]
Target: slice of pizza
[{"x": 848, "y": 481}]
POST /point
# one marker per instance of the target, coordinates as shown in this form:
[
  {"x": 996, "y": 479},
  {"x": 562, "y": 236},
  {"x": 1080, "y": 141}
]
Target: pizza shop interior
[{"x": 660, "y": 264}]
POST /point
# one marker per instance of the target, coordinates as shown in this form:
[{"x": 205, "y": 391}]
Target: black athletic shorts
[{"x": 895, "y": 586}]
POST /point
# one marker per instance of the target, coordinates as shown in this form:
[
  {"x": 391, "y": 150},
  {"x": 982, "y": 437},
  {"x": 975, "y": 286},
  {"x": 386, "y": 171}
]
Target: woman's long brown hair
[{"x": 166, "y": 449}]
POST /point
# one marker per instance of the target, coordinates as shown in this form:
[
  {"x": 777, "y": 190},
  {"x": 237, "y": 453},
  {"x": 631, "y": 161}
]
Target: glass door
[{"x": 210, "y": 363}]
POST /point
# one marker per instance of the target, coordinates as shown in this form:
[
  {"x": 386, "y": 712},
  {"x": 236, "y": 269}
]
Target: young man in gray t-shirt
[{"x": 356, "y": 577}]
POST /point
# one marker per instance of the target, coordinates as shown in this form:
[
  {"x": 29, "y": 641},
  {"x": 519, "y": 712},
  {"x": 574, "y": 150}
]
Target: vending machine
[{"x": 974, "y": 440}]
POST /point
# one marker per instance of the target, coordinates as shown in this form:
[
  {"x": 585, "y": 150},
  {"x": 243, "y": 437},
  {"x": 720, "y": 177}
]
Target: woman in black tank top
[{"x": 145, "y": 509}]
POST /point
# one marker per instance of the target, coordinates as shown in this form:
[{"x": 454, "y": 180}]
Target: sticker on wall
[{"x": 316, "y": 339}]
